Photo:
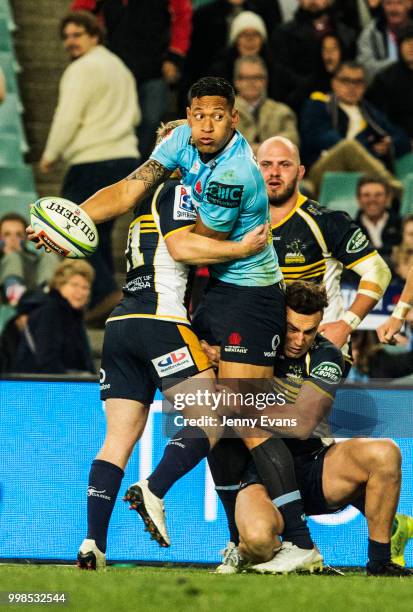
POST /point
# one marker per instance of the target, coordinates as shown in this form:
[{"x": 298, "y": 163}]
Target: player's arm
[
  {"x": 351, "y": 247},
  {"x": 115, "y": 200},
  {"x": 389, "y": 329},
  {"x": 187, "y": 247}
]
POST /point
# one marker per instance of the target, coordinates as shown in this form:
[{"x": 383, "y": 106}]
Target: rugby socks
[
  {"x": 275, "y": 467},
  {"x": 181, "y": 455},
  {"x": 104, "y": 482},
  {"x": 228, "y": 497},
  {"x": 378, "y": 553}
]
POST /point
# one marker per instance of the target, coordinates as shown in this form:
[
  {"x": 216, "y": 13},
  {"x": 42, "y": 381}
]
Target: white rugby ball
[{"x": 64, "y": 227}]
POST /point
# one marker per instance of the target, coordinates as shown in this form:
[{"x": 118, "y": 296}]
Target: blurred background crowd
[{"x": 81, "y": 112}]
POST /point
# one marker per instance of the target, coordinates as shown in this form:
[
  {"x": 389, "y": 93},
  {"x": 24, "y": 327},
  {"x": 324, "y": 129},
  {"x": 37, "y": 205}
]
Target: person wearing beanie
[
  {"x": 249, "y": 25},
  {"x": 392, "y": 88}
]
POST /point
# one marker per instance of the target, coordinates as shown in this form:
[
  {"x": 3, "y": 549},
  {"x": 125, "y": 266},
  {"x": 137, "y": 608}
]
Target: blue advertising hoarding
[{"x": 51, "y": 431}]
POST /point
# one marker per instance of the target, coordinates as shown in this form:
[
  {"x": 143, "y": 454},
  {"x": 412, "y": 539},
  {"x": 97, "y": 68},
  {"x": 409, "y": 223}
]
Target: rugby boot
[
  {"x": 388, "y": 568},
  {"x": 151, "y": 509},
  {"x": 231, "y": 560},
  {"x": 289, "y": 559},
  {"x": 400, "y": 538},
  {"x": 90, "y": 557}
]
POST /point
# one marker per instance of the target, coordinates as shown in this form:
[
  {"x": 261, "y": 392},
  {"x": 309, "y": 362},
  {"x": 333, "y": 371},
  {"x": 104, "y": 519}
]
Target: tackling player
[
  {"x": 363, "y": 472},
  {"x": 387, "y": 332}
]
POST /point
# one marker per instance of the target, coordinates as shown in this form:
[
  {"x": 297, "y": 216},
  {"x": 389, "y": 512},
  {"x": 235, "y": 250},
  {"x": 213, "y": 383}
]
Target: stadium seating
[
  {"x": 338, "y": 191},
  {"x": 15, "y": 179},
  {"x": 404, "y": 166},
  {"x": 17, "y": 202},
  {"x": 10, "y": 121},
  {"x": 6, "y": 13},
  {"x": 406, "y": 207},
  {"x": 6, "y": 43},
  {"x": 10, "y": 151}
]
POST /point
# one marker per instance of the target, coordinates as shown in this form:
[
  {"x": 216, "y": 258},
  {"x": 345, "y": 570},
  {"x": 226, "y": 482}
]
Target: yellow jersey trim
[
  {"x": 350, "y": 266},
  {"x": 178, "y": 229},
  {"x": 149, "y": 316},
  {"x": 300, "y": 201},
  {"x": 314, "y": 227}
]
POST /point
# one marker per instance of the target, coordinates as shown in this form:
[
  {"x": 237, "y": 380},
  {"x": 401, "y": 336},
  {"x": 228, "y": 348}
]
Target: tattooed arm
[{"x": 113, "y": 201}]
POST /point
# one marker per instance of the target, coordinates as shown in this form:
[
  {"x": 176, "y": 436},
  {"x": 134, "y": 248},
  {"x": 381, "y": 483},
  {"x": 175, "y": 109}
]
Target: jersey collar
[{"x": 300, "y": 201}]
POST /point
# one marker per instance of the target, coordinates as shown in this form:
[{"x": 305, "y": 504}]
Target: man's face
[
  {"x": 249, "y": 42},
  {"x": 212, "y": 122},
  {"x": 331, "y": 53},
  {"x": 406, "y": 51},
  {"x": 251, "y": 82},
  {"x": 301, "y": 332},
  {"x": 76, "y": 41},
  {"x": 314, "y": 6},
  {"x": 281, "y": 170},
  {"x": 13, "y": 234},
  {"x": 349, "y": 85},
  {"x": 396, "y": 12},
  {"x": 373, "y": 200}
]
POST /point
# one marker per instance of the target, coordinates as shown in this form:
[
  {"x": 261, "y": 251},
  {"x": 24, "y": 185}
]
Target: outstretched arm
[{"x": 388, "y": 330}]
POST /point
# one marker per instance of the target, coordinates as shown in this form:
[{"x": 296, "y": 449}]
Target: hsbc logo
[{"x": 175, "y": 361}]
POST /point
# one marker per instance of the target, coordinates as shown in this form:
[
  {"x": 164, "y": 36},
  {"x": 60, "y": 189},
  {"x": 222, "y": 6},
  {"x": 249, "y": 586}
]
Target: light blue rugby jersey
[{"x": 230, "y": 196}]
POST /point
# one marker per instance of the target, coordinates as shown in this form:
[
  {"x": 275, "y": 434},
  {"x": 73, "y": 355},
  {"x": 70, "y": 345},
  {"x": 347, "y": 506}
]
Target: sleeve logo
[
  {"x": 184, "y": 209},
  {"x": 228, "y": 196},
  {"x": 328, "y": 372},
  {"x": 357, "y": 242}
]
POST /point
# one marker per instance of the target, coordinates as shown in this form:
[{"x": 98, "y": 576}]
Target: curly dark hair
[
  {"x": 212, "y": 86},
  {"x": 305, "y": 297}
]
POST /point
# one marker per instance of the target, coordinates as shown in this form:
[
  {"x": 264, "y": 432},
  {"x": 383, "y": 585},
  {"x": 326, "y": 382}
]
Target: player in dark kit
[{"x": 363, "y": 472}]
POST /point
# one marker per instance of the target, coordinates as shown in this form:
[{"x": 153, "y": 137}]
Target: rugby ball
[{"x": 64, "y": 227}]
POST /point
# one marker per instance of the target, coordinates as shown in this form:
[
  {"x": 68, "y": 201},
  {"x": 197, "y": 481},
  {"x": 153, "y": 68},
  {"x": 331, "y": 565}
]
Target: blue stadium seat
[
  {"x": 338, "y": 191},
  {"x": 14, "y": 179},
  {"x": 10, "y": 151},
  {"x": 18, "y": 203},
  {"x": 9, "y": 66},
  {"x": 404, "y": 166},
  {"x": 406, "y": 207},
  {"x": 6, "y": 12}
]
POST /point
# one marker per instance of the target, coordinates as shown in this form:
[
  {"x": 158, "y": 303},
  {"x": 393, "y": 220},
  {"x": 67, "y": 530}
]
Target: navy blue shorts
[
  {"x": 247, "y": 322},
  {"x": 309, "y": 474},
  {"x": 143, "y": 354}
]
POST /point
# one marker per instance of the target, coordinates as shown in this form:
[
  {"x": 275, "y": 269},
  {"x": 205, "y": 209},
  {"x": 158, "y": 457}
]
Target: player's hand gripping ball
[{"x": 64, "y": 227}]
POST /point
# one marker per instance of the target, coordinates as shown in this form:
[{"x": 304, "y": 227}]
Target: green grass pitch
[{"x": 150, "y": 589}]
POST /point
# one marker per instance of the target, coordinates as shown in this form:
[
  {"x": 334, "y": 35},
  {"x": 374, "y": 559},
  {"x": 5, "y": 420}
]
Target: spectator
[
  {"x": 210, "y": 33},
  {"x": 342, "y": 132},
  {"x": 358, "y": 14},
  {"x": 93, "y": 129},
  {"x": 392, "y": 88},
  {"x": 377, "y": 44},
  {"x": 295, "y": 44},
  {"x": 21, "y": 267},
  {"x": 371, "y": 360},
  {"x": 378, "y": 221},
  {"x": 247, "y": 38},
  {"x": 402, "y": 256},
  {"x": 54, "y": 340},
  {"x": 330, "y": 57},
  {"x": 259, "y": 116}
]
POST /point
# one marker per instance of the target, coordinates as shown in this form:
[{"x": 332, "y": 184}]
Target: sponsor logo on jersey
[
  {"x": 313, "y": 210},
  {"x": 173, "y": 362},
  {"x": 274, "y": 345},
  {"x": 357, "y": 242},
  {"x": 295, "y": 373},
  {"x": 234, "y": 344},
  {"x": 228, "y": 196},
  {"x": 328, "y": 372},
  {"x": 102, "y": 378},
  {"x": 198, "y": 187},
  {"x": 195, "y": 167},
  {"x": 184, "y": 209},
  {"x": 294, "y": 253}
]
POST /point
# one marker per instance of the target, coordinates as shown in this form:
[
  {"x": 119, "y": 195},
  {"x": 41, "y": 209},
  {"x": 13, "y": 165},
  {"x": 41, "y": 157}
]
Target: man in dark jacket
[
  {"x": 342, "y": 132},
  {"x": 392, "y": 89},
  {"x": 381, "y": 224},
  {"x": 296, "y": 44}
]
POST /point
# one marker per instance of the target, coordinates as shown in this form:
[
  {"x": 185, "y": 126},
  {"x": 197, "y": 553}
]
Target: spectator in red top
[{"x": 152, "y": 38}]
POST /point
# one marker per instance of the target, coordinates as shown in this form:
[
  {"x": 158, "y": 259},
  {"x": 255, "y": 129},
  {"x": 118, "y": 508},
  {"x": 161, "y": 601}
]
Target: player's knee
[
  {"x": 386, "y": 456},
  {"x": 258, "y": 541}
]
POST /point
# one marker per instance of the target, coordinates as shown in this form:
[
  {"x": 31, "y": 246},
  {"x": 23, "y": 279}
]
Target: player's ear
[
  {"x": 235, "y": 118},
  {"x": 188, "y": 115},
  {"x": 301, "y": 172}
]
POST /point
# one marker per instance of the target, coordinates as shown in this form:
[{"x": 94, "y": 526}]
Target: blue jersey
[{"x": 229, "y": 194}]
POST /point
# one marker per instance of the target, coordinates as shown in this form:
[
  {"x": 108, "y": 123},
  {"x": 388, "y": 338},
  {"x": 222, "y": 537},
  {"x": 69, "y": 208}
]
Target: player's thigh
[{"x": 346, "y": 469}]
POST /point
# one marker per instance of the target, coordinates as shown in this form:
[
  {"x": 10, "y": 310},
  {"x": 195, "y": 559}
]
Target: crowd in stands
[{"x": 334, "y": 76}]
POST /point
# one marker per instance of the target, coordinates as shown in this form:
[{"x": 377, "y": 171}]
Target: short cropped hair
[
  {"x": 86, "y": 20},
  {"x": 305, "y": 297},
  {"x": 69, "y": 268},
  {"x": 212, "y": 86},
  {"x": 13, "y": 217},
  {"x": 349, "y": 64},
  {"x": 368, "y": 180}
]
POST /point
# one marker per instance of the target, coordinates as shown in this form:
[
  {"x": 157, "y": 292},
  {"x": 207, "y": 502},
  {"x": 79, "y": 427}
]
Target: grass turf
[{"x": 149, "y": 589}]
